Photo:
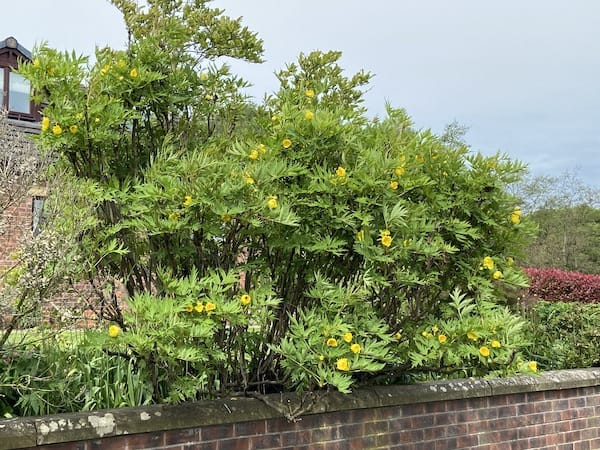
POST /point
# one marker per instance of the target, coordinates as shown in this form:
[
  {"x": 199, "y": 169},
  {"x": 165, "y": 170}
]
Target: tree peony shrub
[{"x": 294, "y": 244}]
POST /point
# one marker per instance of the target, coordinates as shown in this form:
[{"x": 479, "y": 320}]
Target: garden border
[{"x": 86, "y": 426}]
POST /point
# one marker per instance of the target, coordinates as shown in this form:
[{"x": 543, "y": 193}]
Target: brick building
[{"x": 21, "y": 209}]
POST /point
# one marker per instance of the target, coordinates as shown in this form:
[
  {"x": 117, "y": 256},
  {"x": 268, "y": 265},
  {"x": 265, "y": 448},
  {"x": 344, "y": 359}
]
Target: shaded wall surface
[{"x": 555, "y": 410}]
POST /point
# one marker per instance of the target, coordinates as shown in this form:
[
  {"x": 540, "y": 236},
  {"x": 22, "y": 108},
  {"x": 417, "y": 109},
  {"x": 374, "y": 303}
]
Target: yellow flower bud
[
  {"x": 114, "y": 331},
  {"x": 272, "y": 202}
]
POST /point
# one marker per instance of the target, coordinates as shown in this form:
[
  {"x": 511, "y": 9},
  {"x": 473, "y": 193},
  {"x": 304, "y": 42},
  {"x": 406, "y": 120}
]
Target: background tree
[{"x": 566, "y": 212}]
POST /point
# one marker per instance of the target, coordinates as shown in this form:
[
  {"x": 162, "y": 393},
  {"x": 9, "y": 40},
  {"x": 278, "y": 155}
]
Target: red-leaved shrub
[{"x": 556, "y": 285}]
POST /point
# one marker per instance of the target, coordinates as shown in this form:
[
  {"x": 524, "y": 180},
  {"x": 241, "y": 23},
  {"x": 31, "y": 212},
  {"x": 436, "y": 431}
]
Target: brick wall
[
  {"x": 557, "y": 410},
  {"x": 17, "y": 225},
  {"x": 76, "y": 305}
]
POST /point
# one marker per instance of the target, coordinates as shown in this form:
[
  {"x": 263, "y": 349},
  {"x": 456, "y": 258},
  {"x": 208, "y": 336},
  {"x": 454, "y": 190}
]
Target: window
[
  {"x": 18, "y": 93},
  {"x": 15, "y": 92},
  {"x": 37, "y": 214}
]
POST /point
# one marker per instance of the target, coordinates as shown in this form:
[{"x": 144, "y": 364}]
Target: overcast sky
[{"x": 523, "y": 75}]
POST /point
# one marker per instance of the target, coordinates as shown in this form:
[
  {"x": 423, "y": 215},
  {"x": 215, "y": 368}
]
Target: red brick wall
[
  {"x": 555, "y": 417},
  {"x": 17, "y": 224},
  {"x": 71, "y": 306}
]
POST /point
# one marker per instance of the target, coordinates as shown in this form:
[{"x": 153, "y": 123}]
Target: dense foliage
[
  {"x": 565, "y": 335},
  {"x": 556, "y": 285},
  {"x": 296, "y": 244}
]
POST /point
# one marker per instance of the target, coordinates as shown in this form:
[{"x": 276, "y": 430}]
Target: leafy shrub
[
  {"x": 307, "y": 224},
  {"x": 469, "y": 338},
  {"x": 565, "y": 335},
  {"x": 557, "y": 285}
]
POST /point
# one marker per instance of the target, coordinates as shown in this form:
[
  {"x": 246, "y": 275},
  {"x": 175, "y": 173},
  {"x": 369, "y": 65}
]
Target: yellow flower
[
  {"x": 360, "y": 236},
  {"x": 50, "y": 71},
  {"x": 393, "y": 185},
  {"x": 435, "y": 329},
  {"x": 399, "y": 171},
  {"x": 488, "y": 263},
  {"x": 174, "y": 216},
  {"x": 36, "y": 62},
  {"x": 386, "y": 240},
  {"x": 262, "y": 148},
  {"x": 286, "y": 143},
  {"x": 114, "y": 331},
  {"x": 45, "y": 123},
  {"x": 340, "y": 172},
  {"x": 203, "y": 76},
  {"x": 348, "y": 337},
  {"x": 57, "y": 130},
  {"x": 495, "y": 344},
  {"x": 332, "y": 342},
  {"x": 355, "y": 348},
  {"x": 343, "y": 364},
  {"x": 188, "y": 201},
  {"x": 121, "y": 78},
  {"x": 424, "y": 333},
  {"x": 272, "y": 202},
  {"x": 497, "y": 275},
  {"x": 245, "y": 299},
  {"x": 97, "y": 120},
  {"x": 199, "y": 307},
  {"x": 253, "y": 154},
  {"x": 532, "y": 365},
  {"x": 398, "y": 336},
  {"x": 420, "y": 159},
  {"x": 73, "y": 129},
  {"x": 189, "y": 308},
  {"x": 133, "y": 73},
  {"x": 226, "y": 218},
  {"x": 472, "y": 335},
  {"x": 515, "y": 216},
  {"x": 208, "y": 97},
  {"x": 321, "y": 357},
  {"x": 442, "y": 338},
  {"x": 248, "y": 179},
  {"x": 309, "y": 115},
  {"x": 484, "y": 351},
  {"x": 210, "y": 306},
  {"x": 510, "y": 260},
  {"x": 105, "y": 69},
  {"x": 309, "y": 93},
  {"x": 274, "y": 118},
  {"x": 121, "y": 63}
]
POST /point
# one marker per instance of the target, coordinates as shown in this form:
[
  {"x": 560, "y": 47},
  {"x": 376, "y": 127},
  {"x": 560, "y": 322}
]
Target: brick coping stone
[{"x": 31, "y": 431}]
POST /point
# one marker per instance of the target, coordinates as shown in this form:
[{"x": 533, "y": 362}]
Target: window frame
[{"x": 29, "y": 116}]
